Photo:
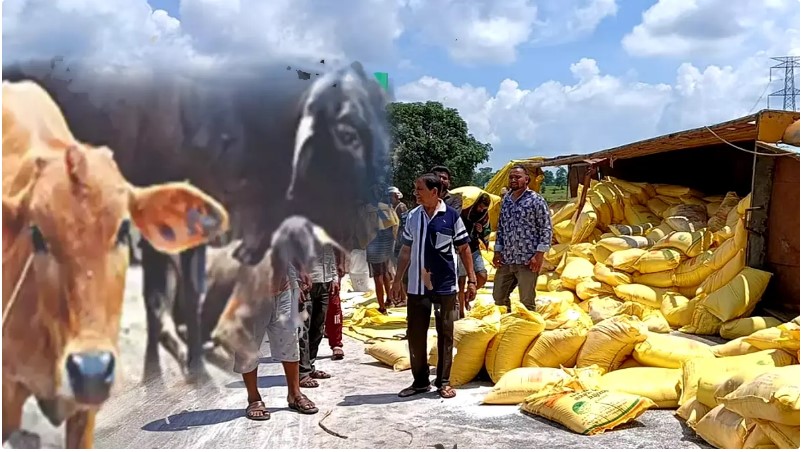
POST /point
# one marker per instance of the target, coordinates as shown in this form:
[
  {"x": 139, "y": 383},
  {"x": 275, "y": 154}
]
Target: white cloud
[{"x": 713, "y": 29}]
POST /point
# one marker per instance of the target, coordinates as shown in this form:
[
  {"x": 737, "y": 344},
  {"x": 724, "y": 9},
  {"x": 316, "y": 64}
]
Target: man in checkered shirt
[{"x": 522, "y": 237}]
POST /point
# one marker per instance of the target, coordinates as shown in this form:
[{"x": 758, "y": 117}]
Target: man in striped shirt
[{"x": 433, "y": 235}]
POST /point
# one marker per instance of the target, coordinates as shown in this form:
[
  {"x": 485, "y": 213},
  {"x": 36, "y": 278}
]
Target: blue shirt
[
  {"x": 524, "y": 228},
  {"x": 433, "y": 246}
]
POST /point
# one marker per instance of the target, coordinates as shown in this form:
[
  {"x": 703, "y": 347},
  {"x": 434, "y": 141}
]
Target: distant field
[{"x": 553, "y": 193}]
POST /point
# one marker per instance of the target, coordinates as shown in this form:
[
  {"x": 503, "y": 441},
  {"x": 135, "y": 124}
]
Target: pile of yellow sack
[
  {"x": 747, "y": 401},
  {"x": 679, "y": 255}
]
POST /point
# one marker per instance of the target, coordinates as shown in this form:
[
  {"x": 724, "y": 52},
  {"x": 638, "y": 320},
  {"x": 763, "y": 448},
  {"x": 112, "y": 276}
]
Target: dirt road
[{"x": 359, "y": 402}]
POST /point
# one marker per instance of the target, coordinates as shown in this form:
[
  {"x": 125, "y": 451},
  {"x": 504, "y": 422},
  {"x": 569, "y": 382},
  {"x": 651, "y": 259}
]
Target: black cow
[{"x": 266, "y": 144}]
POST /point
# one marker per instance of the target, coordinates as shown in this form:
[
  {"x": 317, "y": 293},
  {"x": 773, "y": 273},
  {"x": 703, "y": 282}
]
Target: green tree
[
  {"x": 561, "y": 177},
  {"x": 482, "y": 176},
  {"x": 548, "y": 177},
  {"x": 428, "y": 134}
]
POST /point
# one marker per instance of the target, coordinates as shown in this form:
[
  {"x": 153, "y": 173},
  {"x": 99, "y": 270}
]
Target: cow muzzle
[{"x": 91, "y": 375}]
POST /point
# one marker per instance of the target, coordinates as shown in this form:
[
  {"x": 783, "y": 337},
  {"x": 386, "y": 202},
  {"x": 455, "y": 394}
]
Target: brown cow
[{"x": 66, "y": 210}]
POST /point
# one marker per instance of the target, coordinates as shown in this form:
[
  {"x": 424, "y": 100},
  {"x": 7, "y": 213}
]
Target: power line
[{"x": 789, "y": 93}]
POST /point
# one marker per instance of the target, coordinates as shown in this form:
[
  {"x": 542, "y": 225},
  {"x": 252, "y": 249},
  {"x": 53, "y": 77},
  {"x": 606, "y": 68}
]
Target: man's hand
[
  {"x": 470, "y": 294},
  {"x": 498, "y": 260},
  {"x": 536, "y": 263}
]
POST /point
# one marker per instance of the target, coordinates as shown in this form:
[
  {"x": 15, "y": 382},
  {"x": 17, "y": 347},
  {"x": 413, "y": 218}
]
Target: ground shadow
[
  {"x": 383, "y": 399},
  {"x": 266, "y": 381}
]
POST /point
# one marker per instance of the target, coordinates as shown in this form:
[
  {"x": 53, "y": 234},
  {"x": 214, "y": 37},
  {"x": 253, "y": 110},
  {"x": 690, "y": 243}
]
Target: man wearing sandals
[
  {"x": 433, "y": 235},
  {"x": 325, "y": 282},
  {"x": 282, "y": 334}
]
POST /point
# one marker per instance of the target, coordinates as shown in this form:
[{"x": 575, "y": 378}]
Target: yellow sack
[
  {"x": 746, "y": 326},
  {"x": 654, "y": 261},
  {"x": 556, "y": 348},
  {"x": 625, "y": 242},
  {"x": 638, "y": 214},
  {"x": 554, "y": 254},
  {"x": 757, "y": 438},
  {"x": 611, "y": 341},
  {"x": 391, "y": 353},
  {"x": 663, "y": 350},
  {"x": 677, "y": 309},
  {"x": 584, "y": 223},
  {"x": 722, "y": 428},
  {"x": 675, "y": 191},
  {"x": 692, "y": 411},
  {"x": 543, "y": 281},
  {"x": 603, "y": 210},
  {"x": 690, "y": 244},
  {"x": 584, "y": 250},
  {"x": 590, "y": 288},
  {"x": 784, "y": 436},
  {"x": 471, "y": 338},
  {"x": 694, "y": 369},
  {"x": 588, "y": 412},
  {"x": 715, "y": 385},
  {"x": 784, "y": 337},
  {"x": 719, "y": 218},
  {"x": 735, "y": 347},
  {"x": 724, "y": 275},
  {"x": 518, "y": 384},
  {"x": 601, "y": 254},
  {"x": 657, "y": 206},
  {"x": 692, "y": 272},
  {"x": 576, "y": 269},
  {"x": 739, "y": 296},
  {"x": 663, "y": 280},
  {"x": 658, "y": 232},
  {"x": 507, "y": 349},
  {"x": 624, "y": 260},
  {"x": 565, "y": 212},
  {"x": 652, "y": 318},
  {"x": 610, "y": 276},
  {"x": 772, "y": 396},
  {"x": 649, "y": 296},
  {"x": 702, "y": 321},
  {"x": 602, "y": 308},
  {"x": 661, "y": 386},
  {"x": 617, "y": 230}
]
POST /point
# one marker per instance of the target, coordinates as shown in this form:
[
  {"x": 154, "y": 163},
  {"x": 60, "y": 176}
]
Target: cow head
[
  {"x": 70, "y": 213},
  {"x": 341, "y": 156}
]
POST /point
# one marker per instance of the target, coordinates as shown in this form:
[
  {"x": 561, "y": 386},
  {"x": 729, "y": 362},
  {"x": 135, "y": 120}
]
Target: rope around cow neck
[{"x": 17, "y": 289}]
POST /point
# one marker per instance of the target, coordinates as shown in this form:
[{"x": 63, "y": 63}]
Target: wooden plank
[{"x": 757, "y": 219}]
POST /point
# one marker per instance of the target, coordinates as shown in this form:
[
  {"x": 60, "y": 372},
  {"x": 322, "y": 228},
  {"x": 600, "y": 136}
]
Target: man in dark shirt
[
  {"x": 477, "y": 222},
  {"x": 451, "y": 200},
  {"x": 432, "y": 236}
]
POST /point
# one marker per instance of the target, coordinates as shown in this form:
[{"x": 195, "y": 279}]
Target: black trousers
[
  {"x": 312, "y": 331},
  {"x": 419, "y": 311}
]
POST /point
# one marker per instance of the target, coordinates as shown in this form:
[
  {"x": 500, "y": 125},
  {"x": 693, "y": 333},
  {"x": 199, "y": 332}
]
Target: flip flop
[
  {"x": 303, "y": 405},
  {"x": 411, "y": 391},
  {"x": 253, "y": 410}
]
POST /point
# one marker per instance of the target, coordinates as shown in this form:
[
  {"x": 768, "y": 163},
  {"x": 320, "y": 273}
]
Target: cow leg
[
  {"x": 157, "y": 269},
  {"x": 14, "y": 396},
  {"x": 193, "y": 278},
  {"x": 81, "y": 430}
]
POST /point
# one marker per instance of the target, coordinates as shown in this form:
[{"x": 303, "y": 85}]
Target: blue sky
[{"x": 531, "y": 77}]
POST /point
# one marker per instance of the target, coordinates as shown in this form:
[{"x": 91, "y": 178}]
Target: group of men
[{"x": 428, "y": 258}]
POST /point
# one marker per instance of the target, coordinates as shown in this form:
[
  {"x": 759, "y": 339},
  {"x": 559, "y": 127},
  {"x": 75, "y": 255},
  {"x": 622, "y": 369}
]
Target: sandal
[
  {"x": 447, "y": 392},
  {"x": 411, "y": 391},
  {"x": 337, "y": 354},
  {"x": 308, "y": 382},
  {"x": 257, "y": 411},
  {"x": 303, "y": 405},
  {"x": 319, "y": 375}
]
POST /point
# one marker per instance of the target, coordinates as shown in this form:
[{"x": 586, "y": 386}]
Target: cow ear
[{"x": 176, "y": 216}]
